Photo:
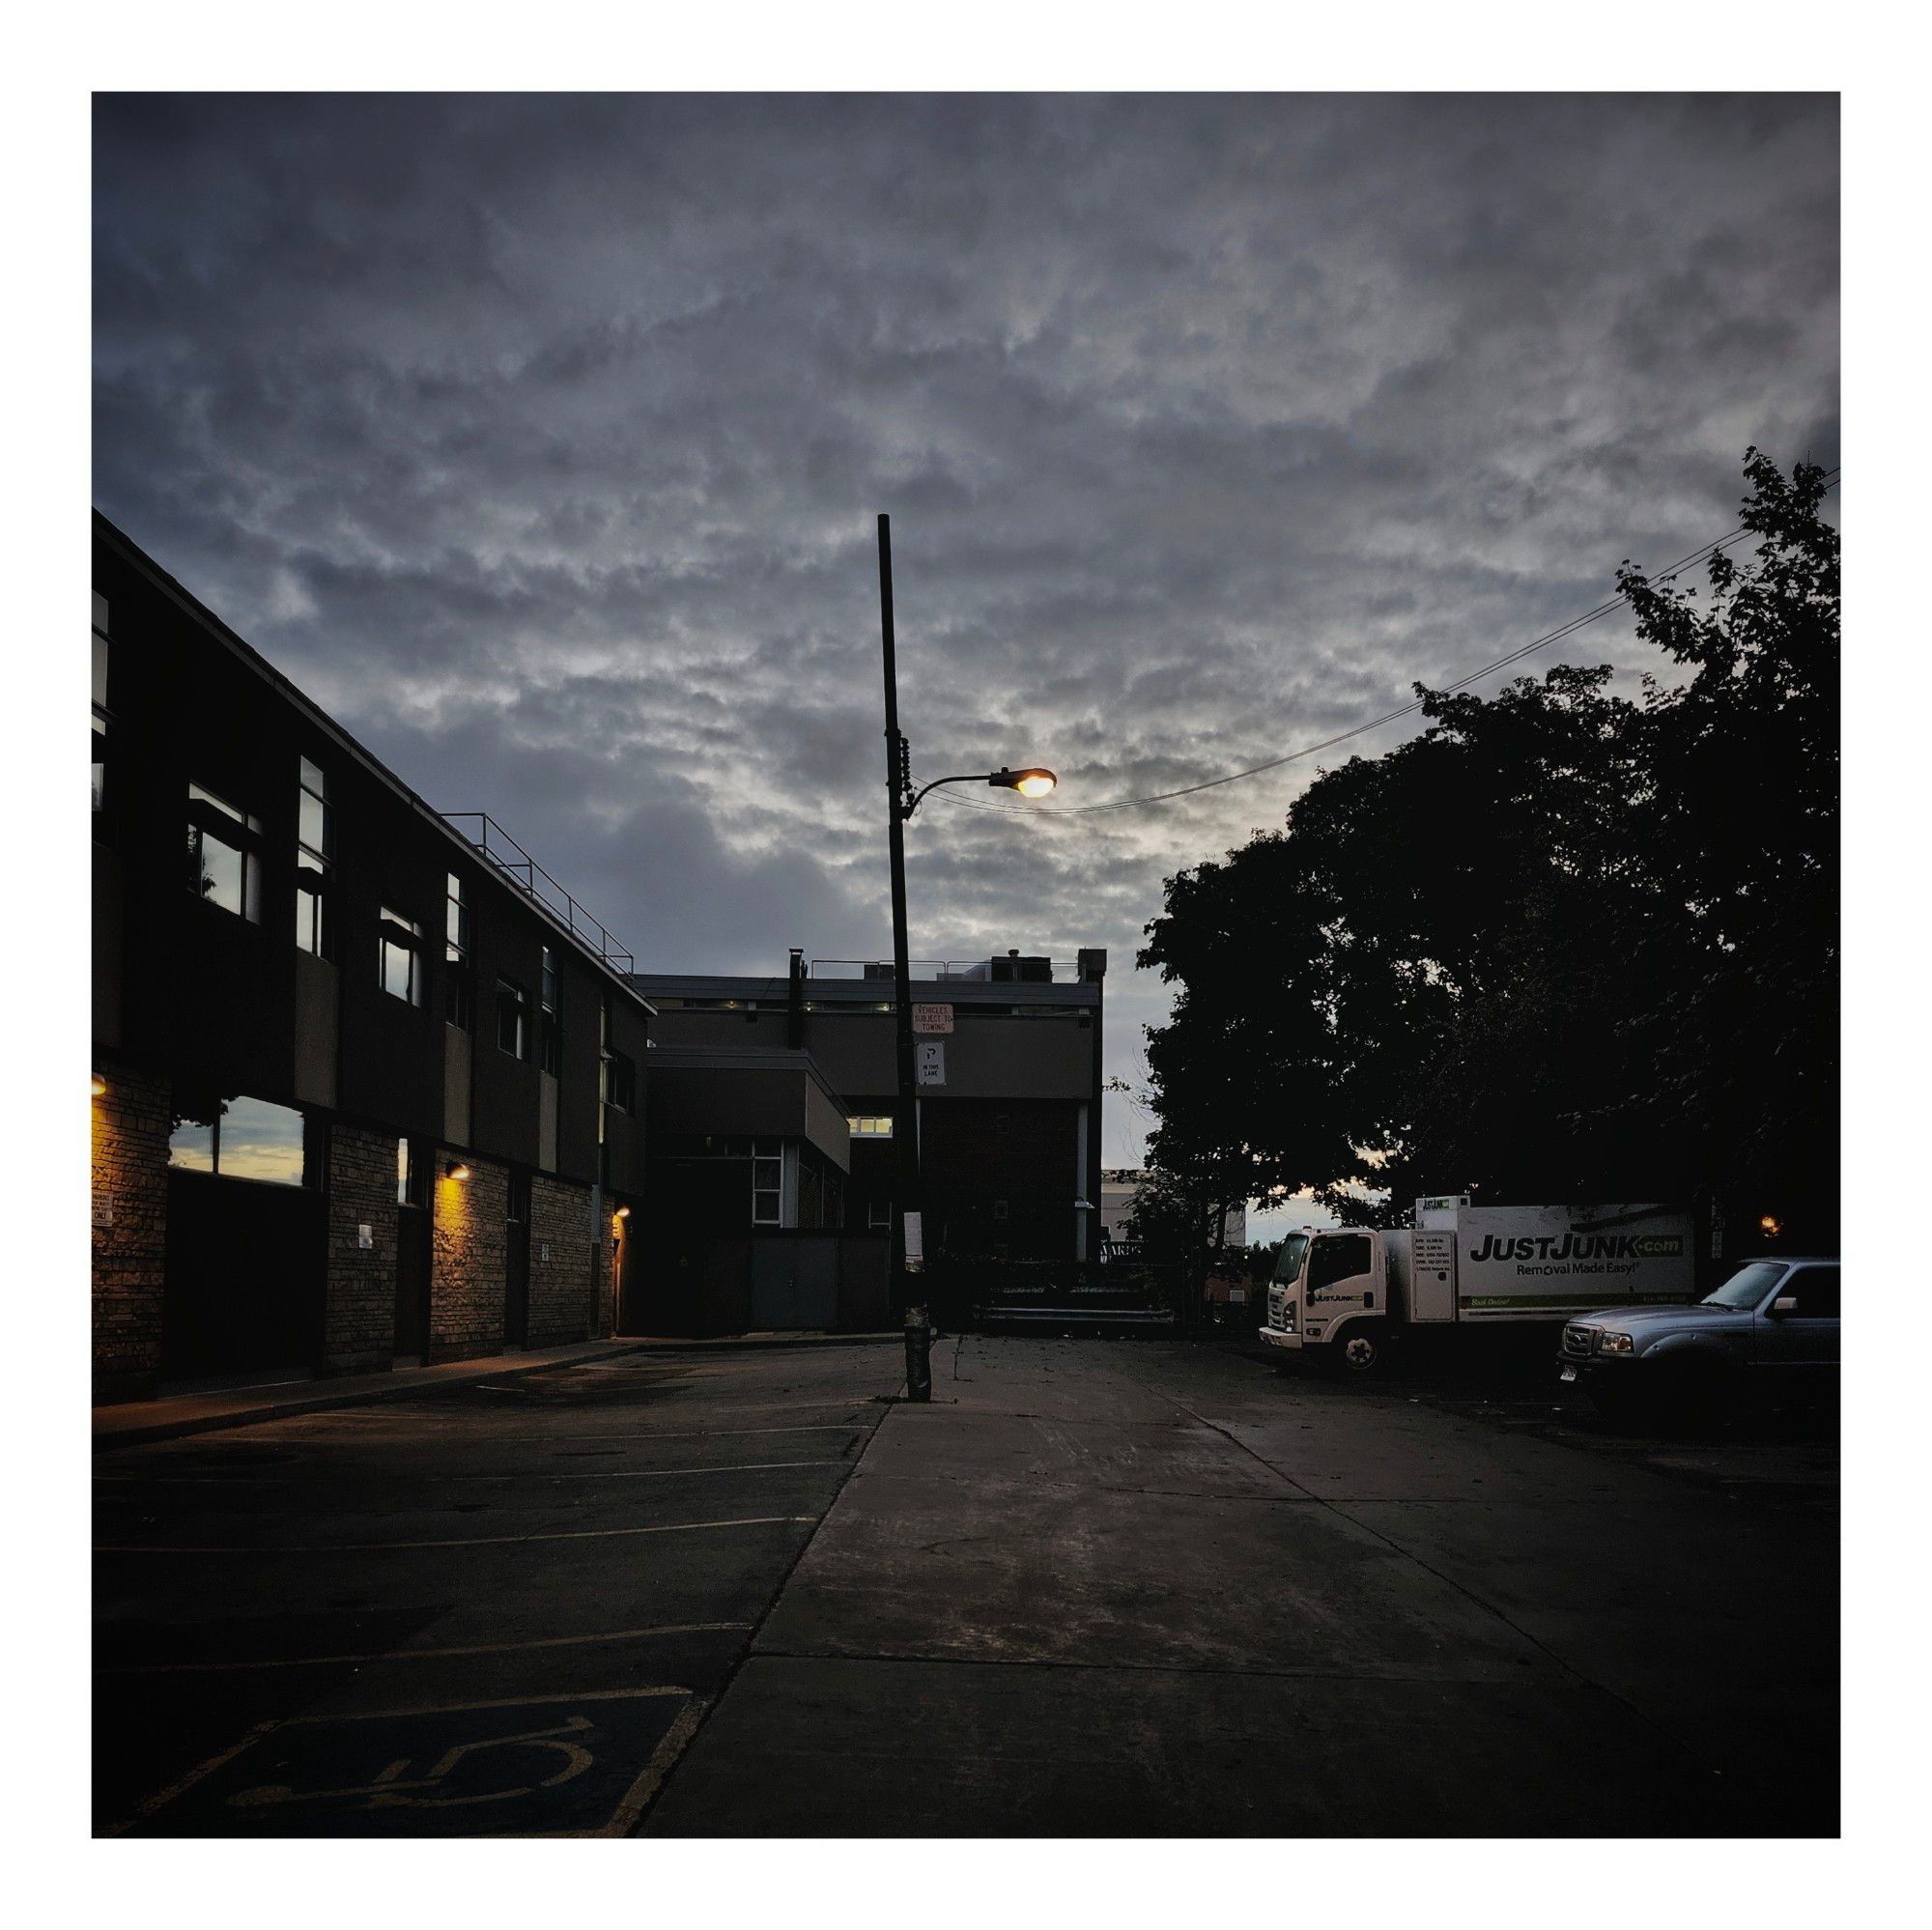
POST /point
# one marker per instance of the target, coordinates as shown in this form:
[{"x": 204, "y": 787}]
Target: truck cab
[{"x": 1331, "y": 1291}]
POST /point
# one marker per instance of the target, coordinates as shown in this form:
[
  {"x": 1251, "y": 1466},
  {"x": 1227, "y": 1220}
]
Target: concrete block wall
[
  {"x": 468, "y": 1254},
  {"x": 132, "y": 1121},
  {"x": 565, "y": 1247},
  {"x": 359, "y": 1300}
]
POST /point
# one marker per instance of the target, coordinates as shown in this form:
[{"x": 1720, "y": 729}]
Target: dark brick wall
[
  {"x": 132, "y": 1122},
  {"x": 359, "y": 1300},
  {"x": 563, "y": 1249},
  {"x": 469, "y": 1251}
]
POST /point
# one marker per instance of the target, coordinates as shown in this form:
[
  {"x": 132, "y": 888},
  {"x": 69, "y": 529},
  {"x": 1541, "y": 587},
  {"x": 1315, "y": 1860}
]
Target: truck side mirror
[{"x": 1787, "y": 1305}]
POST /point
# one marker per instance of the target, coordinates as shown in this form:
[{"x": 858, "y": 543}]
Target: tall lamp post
[{"x": 908, "y": 1239}]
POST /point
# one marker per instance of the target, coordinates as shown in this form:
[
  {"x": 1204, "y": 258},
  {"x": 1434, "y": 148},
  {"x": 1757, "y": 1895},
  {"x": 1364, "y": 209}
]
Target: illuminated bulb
[
  {"x": 1032, "y": 782},
  {"x": 100, "y": 1085}
]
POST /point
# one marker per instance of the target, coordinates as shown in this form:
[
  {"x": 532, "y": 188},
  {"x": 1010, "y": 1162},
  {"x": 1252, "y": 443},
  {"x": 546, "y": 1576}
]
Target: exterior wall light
[
  {"x": 622, "y": 1213},
  {"x": 1772, "y": 1225},
  {"x": 457, "y": 1169},
  {"x": 100, "y": 1085},
  {"x": 1032, "y": 782}
]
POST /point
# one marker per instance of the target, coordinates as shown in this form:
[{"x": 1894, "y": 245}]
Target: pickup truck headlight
[{"x": 1615, "y": 1343}]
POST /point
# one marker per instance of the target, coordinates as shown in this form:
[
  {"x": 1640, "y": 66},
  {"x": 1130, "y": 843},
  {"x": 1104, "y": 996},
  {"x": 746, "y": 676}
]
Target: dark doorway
[
  {"x": 413, "y": 1254},
  {"x": 243, "y": 1291},
  {"x": 516, "y": 1263}
]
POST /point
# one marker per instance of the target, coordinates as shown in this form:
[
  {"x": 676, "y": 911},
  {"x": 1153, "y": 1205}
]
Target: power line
[{"x": 1408, "y": 709}]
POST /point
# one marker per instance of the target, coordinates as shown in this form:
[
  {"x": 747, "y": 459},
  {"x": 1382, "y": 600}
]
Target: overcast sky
[{"x": 541, "y": 441}]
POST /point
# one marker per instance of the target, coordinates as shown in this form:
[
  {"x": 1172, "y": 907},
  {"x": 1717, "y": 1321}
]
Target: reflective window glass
[
  {"x": 192, "y": 1145},
  {"x": 513, "y": 1019},
  {"x": 1815, "y": 1289},
  {"x": 248, "y": 1139},
  {"x": 260, "y": 1141},
  {"x": 218, "y": 870}
]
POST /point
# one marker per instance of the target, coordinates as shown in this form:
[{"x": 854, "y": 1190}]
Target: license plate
[{"x": 1568, "y": 1374}]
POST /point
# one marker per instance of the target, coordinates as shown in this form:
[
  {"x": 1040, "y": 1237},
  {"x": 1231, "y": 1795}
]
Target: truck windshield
[
  {"x": 1747, "y": 1287},
  {"x": 1288, "y": 1261}
]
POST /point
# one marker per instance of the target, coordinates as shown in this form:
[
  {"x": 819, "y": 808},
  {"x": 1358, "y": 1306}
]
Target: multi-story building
[
  {"x": 1008, "y": 1095},
  {"x": 367, "y": 1084}
]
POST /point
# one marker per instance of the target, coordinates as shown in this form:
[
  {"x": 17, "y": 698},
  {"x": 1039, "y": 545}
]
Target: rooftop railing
[
  {"x": 968, "y": 971},
  {"x": 529, "y": 877}
]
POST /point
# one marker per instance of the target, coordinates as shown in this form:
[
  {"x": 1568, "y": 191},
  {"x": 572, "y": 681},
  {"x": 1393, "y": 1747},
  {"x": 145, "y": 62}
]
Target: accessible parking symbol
[{"x": 569, "y": 1765}]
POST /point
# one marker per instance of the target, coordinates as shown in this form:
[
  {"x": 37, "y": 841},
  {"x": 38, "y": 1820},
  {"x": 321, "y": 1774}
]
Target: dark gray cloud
[{"x": 541, "y": 441}]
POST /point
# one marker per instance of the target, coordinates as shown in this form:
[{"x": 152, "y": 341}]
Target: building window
[
  {"x": 620, "y": 1082},
  {"x": 100, "y": 717},
  {"x": 459, "y": 985},
  {"x": 247, "y": 1139},
  {"x": 315, "y": 861},
  {"x": 870, "y": 1125},
  {"x": 767, "y": 1181},
  {"x": 549, "y": 1041},
  {"x": 400, "y": 945},
  {"x": 513, "y": 1019},
  {"x": 411, "y": 1174},
  {"x": 224, "y": 866}
]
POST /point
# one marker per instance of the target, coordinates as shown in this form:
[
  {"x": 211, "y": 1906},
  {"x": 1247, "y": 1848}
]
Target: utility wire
[{"x": 1408, "y": 709}]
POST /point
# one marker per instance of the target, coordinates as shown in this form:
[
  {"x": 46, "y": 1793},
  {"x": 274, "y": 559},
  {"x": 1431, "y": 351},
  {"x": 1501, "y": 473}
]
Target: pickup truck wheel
[{"x": 1692, "y": 1393}]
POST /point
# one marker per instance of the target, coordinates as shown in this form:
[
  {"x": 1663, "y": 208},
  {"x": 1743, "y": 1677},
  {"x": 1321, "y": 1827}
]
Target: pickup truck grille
[{"x": 1577, "y": 1341}]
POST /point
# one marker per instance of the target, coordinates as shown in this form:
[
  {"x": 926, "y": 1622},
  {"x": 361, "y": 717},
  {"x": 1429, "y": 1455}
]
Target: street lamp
[{"x": 908, "y": 1239}]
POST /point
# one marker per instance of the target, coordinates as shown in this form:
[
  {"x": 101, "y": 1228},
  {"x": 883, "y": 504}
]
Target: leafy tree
[{"x": 1559, "y": 945}]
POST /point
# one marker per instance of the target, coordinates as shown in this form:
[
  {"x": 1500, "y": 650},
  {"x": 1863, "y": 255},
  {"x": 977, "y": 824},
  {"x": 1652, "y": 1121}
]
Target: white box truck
[{"x": 1340, "y": 1299}]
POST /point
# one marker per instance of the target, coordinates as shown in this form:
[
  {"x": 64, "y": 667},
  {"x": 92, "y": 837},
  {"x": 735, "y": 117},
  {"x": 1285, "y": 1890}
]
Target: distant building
[
  {"x": 367, "y": 1084},
  {"x": 1118, "y": 1186},
  {"x": 1009, "y": 1100}
]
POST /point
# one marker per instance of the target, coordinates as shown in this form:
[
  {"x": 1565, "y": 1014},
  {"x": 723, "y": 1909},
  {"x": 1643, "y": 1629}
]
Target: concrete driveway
[{"x": 1095, "y": 1589}]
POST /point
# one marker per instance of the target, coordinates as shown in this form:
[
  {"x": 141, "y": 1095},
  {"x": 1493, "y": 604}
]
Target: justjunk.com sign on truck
[{"x": 1341, "y": 1297}]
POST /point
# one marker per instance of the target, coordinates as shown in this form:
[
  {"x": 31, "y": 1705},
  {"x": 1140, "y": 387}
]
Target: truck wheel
[
  {"x": 1693, "y": 1393},
  {"x": 1362, "y": 1351}
]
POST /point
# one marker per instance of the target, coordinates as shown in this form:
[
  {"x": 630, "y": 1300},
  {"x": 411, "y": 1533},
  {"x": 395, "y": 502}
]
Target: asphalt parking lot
[
  {"x": 1107, "y": 1588},
  {"x": 501, "y": 1608}
]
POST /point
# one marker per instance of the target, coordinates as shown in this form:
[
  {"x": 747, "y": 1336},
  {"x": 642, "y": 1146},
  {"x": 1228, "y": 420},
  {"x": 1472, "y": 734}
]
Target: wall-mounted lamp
[
  {"x": 1772, "y": 1225},
  {"x": 100, "y": 1085},
  {"x": 623, "y": 1214},
  {"x": 457, "y": 1169}
]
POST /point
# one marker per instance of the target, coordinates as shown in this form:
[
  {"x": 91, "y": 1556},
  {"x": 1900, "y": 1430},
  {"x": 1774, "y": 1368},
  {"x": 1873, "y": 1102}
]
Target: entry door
[
  {"x": 1804, "y": 1344},
  {"x": 517, "y": 1263},
  {"x": 413, "y": 1251}
]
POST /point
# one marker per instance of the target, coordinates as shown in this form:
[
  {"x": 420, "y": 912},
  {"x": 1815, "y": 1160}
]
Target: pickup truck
[{"x": 1771, "y": 1328}]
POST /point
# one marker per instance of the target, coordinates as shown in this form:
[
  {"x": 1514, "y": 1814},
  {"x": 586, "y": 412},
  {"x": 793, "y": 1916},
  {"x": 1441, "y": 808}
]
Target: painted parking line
[
  {"x": 427, "y": 1655},
  {"x": 511, "y": 1474},
  {"x": 466, "y": 1542},
  {"x": 580, "y": 1765}
]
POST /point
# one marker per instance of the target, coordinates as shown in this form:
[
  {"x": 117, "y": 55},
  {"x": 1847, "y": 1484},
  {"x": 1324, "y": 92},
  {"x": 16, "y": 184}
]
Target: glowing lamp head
[
  {"x": 622, "y": 1213},
  {"x": 457, "y": 1169},
  {"x": 100, "y": 1085},
  {"x": 1032, "y": 782},
  {"x": 1772, "y": 1225}
]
